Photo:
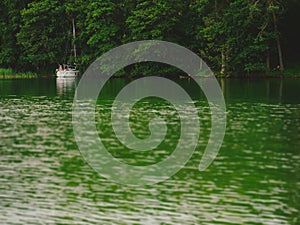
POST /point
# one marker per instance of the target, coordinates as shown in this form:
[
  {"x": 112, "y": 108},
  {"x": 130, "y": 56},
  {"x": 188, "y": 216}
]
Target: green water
[{"x": 254, "y": 180}]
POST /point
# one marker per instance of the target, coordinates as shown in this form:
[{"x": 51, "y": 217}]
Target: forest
[{"x": 235, "y": 37}]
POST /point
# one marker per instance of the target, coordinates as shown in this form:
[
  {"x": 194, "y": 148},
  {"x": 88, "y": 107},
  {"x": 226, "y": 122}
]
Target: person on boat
[{"x": 60, "y": 68}]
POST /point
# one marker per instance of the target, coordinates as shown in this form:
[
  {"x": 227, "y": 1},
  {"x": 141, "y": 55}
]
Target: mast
[{"x": 74, "y": 36}]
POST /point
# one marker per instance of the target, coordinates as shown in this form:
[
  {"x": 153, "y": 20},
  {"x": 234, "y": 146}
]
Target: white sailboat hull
[{"x": 67, "y": 74}]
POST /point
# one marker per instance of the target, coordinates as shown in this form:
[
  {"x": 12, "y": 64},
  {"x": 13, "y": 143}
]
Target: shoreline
[{"x": 35, "y": 76}]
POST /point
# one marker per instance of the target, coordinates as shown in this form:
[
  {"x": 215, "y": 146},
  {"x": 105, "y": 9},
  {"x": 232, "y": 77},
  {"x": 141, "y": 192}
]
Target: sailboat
[{"x": 67, "y": 70}]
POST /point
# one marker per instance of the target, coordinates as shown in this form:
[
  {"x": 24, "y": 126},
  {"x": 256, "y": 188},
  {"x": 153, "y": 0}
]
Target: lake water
[{"x": 255, "y": 178}]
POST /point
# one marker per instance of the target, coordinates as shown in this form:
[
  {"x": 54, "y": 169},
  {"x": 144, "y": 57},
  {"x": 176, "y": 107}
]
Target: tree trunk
[
  {"x": 74, "y": 38},
  {"x": 280, "y": 57},
  {"x": 223, "y": 67}
]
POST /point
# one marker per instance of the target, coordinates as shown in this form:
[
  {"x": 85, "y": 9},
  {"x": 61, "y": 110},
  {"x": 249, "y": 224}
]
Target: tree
[
  {"x": 43, "y": 34},
  {"x": 155, "y": 20},
  {"x": 234, "y": 37},
  {"x": 273, "y": 8},
  {"x": 102, "y": 30},
  {"x": 9, "y": 27},
  {"x": 237, "y": 35}
]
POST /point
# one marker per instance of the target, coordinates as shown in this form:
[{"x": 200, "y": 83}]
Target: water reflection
[
  {"x": 254, "y": 180},
  {"x": 65, "y": 85}
]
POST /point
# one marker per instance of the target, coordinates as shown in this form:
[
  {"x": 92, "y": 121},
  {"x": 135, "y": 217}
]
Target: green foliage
[
  {"x": 154, "y": 20},
  {"x": 42, "y": 34},
  {"x": 101, "y": 28},
  {"x": 6, "y": 72},
  {"x": 9, "y": 20},
  {"x": 233, "y": 36},
  {"x": 241, "y": 31},
  {"x": 10, "y": 73}
]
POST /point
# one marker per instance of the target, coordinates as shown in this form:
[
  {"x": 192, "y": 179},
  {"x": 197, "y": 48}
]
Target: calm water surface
[{"x": 254, "y": 180}]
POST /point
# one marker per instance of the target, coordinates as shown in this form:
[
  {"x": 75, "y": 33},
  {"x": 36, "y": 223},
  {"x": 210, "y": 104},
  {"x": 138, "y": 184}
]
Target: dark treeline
[{"x": 233, "y": 36}]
